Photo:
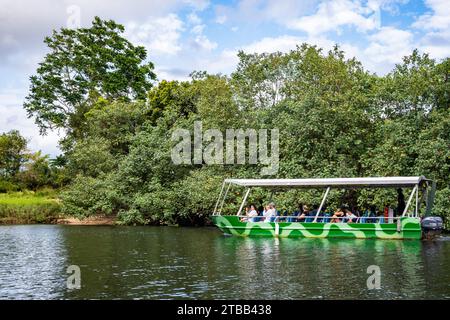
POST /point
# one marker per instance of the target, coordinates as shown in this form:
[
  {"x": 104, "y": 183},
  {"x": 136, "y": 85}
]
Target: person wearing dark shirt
[{"x": 400, "y": 201}]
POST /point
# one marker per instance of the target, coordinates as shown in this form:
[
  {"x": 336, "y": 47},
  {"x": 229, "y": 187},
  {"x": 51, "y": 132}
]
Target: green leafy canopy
[{"x": 82, "y": 65}]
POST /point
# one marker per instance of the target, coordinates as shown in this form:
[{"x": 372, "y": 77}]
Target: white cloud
[
  {"x": 193, "y": 18},
  {"x": 203, "y": 43},
  {"x": 387, "y": 47},
  {"x": 436, "y": 43},
  {"x": 178, "y": 47},
  {"x": 331, "y": 15},
  {"x": 159, "y": 35},
  {"x": 227, "y": 60},
  {"x": 254, "y": 11},
  {"x": 28, "y": 22},
  {"x": 436, "y": 40},
  {"x": 221, "y": 19},
  {"x": 172, "y": 74},
  {"x": 14, "y": 117},
  {"x": 199, "y": 5},
  {"x": 286, "y": 43},
  {"x": 7, "y": 40},
  {"x": 272, "y": 44},
  {"x": 439, "y": 19},
  {"x": 198, "y": 29},
  {"x": 200, "y": 41}
]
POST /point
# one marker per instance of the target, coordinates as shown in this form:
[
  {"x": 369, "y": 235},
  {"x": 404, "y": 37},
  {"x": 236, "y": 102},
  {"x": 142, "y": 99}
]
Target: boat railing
[{"x": 323, "y": 218}]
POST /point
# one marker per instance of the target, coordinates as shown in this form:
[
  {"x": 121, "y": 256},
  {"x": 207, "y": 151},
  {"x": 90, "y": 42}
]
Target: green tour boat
[{"x": 404, "y": 225}]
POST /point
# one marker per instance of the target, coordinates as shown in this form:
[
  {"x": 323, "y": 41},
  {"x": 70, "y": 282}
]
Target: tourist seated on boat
[
  {"x": 275, "y": 213},
  {"x": 364, "y": 216},
  {"x": 350, "y": 217},
  {"x": 327, "y": 216},
  {"x": 338, "y": 215},
  {"x": 312, "y": 214},
  {"x": 357, "y": 213},
  {"x": 265, "y": 212},
  {"x": 368, "y": 215},
  {"x": 261, "y": 210},
  {"x": 245, "y": 219},
  {"x": 300, "y": 209},
  {"x": 252, "y": 214},
  {"x": 293, "y": 217},
  {"x": 303, "y": 214},
  {"x": 278, "y": 214},
  {"x": 270, "y": 213},
  {"x": 380, "y": 218},
  {"x": 301, "y": 217},
  {"x": 297, "y": 214}
]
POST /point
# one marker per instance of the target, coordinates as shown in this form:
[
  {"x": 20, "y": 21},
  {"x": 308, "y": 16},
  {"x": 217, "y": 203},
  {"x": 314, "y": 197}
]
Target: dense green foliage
[
  {"x": 24, "y": 170},
  {"x": 84, "y": 64},
  {"x": 335, "y": 120},
  {"x": 12, "y": 153}
]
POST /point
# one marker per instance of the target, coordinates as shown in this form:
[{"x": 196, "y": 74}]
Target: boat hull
[{"x": 409, "y": 229}]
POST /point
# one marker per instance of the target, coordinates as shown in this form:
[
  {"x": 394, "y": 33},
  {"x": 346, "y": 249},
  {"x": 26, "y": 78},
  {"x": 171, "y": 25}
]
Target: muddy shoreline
[{"x": 91, "y": 221}]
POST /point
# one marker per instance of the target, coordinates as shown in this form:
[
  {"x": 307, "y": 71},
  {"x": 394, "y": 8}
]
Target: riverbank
[
  {"x": 41, "y": 207},
  {"x": 29, "y": 207},
  {"x": 97, "y": 220}
]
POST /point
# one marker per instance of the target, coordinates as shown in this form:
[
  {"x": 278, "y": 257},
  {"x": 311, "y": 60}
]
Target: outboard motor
[{"x": 431, "y": 227}]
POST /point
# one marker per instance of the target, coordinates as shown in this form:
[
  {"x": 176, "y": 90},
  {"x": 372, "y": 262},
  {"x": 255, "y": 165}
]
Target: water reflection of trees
[
  {"x": 328, "y": 268},
  {"x": 144, "y": 262},
  {"x": 133, "y": 262},
  {"x": 436, "y": 267}
]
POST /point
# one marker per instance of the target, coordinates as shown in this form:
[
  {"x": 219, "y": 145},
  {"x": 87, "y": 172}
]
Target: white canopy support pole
[
  {"x": 322, "y": 204},
  {"x": 243, "y": 202},
  {"x": 218, "y": 199},
  {"x": 223, "y": 199},
  {"x": 409, "y": 200},
  {"x": 417, "y": 202}
]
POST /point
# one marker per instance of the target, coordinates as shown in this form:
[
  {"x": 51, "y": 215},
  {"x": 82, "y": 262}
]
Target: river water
[{"x": 201, "y": 263}]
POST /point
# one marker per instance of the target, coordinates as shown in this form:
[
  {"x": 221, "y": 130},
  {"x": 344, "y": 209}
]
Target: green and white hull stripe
[{"x": 408, "y": 228}]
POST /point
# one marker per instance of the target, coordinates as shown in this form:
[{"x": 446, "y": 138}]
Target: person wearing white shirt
[
  {"x": 252, "y": 213},
  {"x": 350, "y": 216},
  {"x": 270, "y": 212}
]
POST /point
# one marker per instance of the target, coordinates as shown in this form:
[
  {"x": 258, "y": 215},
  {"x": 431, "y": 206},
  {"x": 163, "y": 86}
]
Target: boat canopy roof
[{"x": 377, "y": 182}]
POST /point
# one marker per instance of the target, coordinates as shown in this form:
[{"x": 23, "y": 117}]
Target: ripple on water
[{"x": 199, "y": 263}]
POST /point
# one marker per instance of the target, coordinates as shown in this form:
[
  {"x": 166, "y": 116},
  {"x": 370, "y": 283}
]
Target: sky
[{"x": 187, "y": 35}]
